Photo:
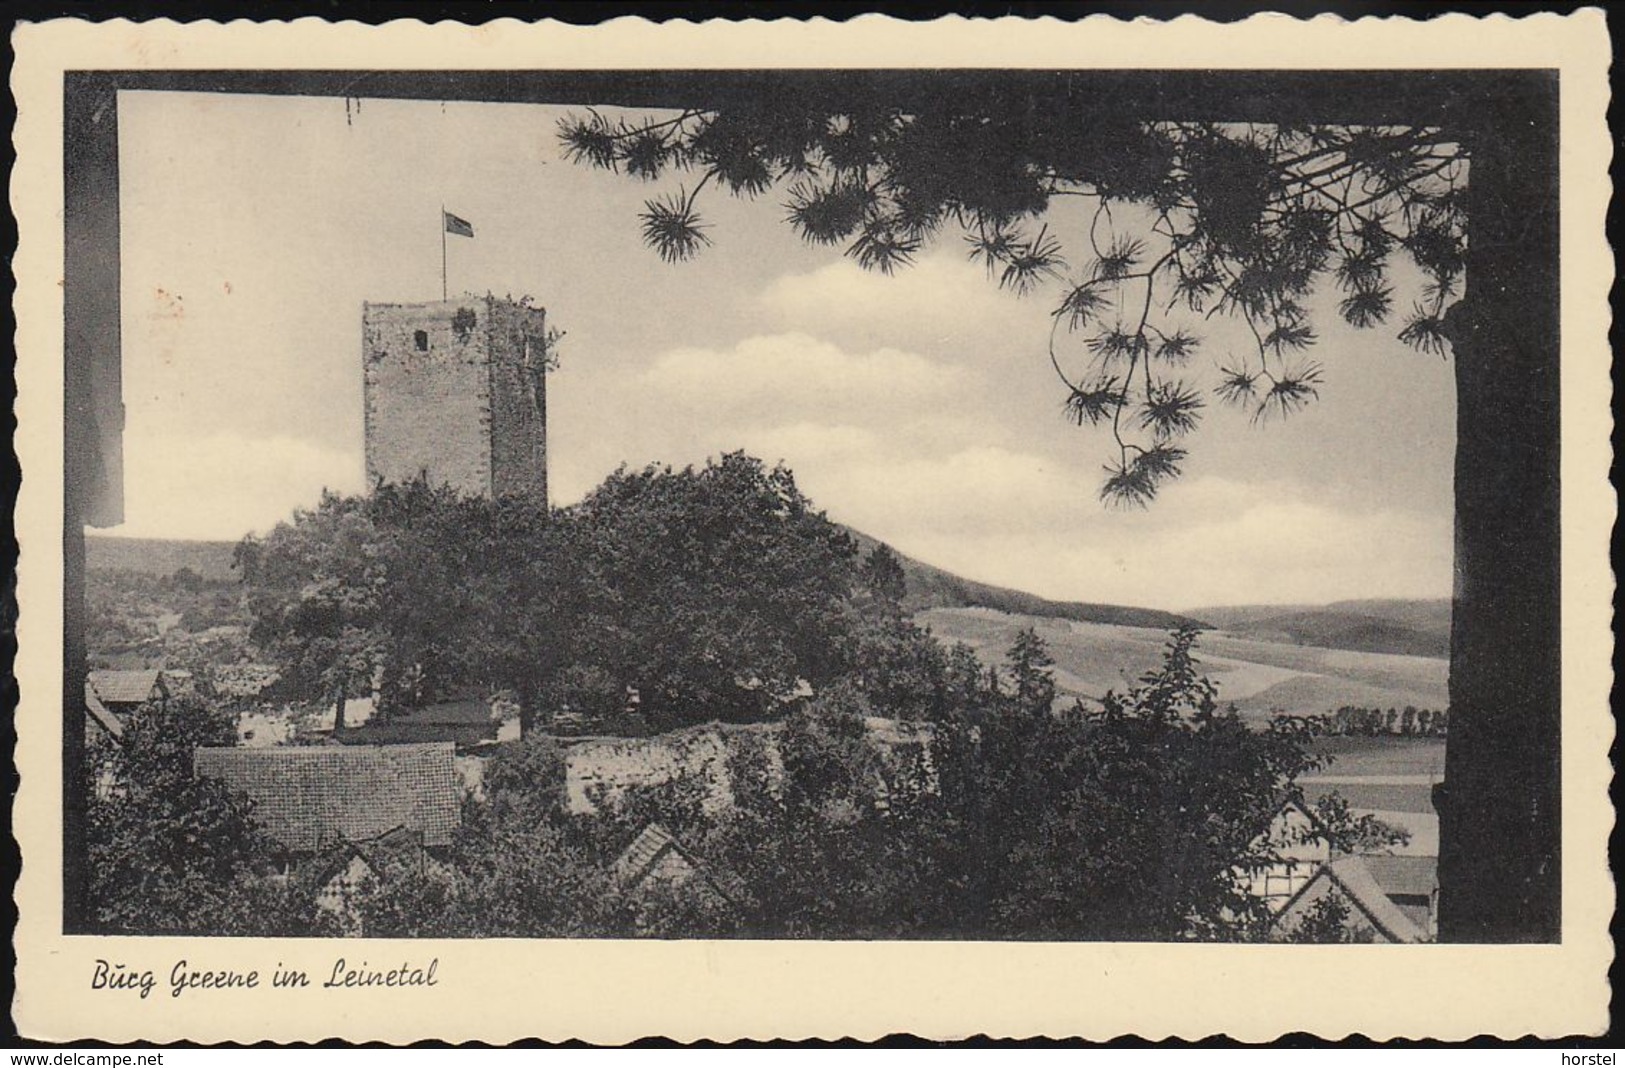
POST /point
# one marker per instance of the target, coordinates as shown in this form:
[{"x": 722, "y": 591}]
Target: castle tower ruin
[{"x": 457, "y": 391}]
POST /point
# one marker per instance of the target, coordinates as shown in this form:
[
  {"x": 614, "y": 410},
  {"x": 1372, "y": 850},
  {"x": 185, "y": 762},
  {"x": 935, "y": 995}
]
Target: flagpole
[{"x": 443, "y": 252}]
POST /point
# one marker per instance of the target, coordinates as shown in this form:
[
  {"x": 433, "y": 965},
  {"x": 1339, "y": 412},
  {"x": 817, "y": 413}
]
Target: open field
[
  {"x": 1259, "y": 677},
  {"x": 1392, "y": 775},
  {"x": 1404, "y": 797},
  {"x": 1382, "y": 757}
]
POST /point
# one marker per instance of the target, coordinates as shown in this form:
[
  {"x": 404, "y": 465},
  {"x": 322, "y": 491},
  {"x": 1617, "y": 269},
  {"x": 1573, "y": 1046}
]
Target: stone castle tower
[{"x": 457, "y": 391}]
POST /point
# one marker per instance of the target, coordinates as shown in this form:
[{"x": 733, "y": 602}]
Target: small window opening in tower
[{"x": 421, "y": 339}]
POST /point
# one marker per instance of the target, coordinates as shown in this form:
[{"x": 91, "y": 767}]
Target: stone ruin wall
[{"x": 601, "y": 771}]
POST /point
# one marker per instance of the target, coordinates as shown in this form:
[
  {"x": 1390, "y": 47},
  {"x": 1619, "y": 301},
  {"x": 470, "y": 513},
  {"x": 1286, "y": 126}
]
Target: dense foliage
[
  {"x": 665, "y": 598},
  {"x": 877, "y": 783},
  {"x": 1130, "y": 823},
  {"x": 172, "y": 854},
  {"x": 1144, "y": 229}
]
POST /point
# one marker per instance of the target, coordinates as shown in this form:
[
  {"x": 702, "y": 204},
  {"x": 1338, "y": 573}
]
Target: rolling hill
[
  {"x": 1406, "y": 627},
  {"x": 931, "y": 587},
  {"x": 1259, "y": 677}
]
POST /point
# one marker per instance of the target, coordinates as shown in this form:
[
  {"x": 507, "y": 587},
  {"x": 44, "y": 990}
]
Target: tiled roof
[
  {"x": 309, "y": 796},
  {"x": 99, "y": 714},
  {"x": 1418, "y": 876},
  {"x": 1357, "y": 882},
  {"x": 655, "y": 842},
  {"x": 644, "y": 851},
  {"x": 125, "y": 687}
]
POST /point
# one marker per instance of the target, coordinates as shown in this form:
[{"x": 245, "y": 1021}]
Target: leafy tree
[
  {"x": 897, "y": 666},
  {"x": 186, "y": 580},
  {"x": 1121, "y": 826},
  {"x": 1328, "y": 920},
  {"x": 174, "y": 854},
  {"x": 1346, "y": 832},
  {"x": 1172, "y": 691},
  {"x": 827, "y": 848},
  {"x": 724, "y": 590},
  {"x": 885, "y": 579},
  {"x": 963, "y": 680},
  {"x": 417, "y": 591},
  {"x": 1128, "y": 823},
  {"x": 520, "y": 866},
  {"x": 315, "y": 588},
  {"x": 1142, "y": 227}
]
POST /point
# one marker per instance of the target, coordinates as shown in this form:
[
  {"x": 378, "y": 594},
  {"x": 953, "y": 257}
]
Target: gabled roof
[
  {"x": 98, "y": 714},
  {"x": 1313, "y": 829},
  {"x": 1358, "y": 886},
  {"x": 654, "y": 842},
  {"x": 307, "y": 797},
  {"x": 126, "y": 687},
  {"x": 646, "y": 848}
]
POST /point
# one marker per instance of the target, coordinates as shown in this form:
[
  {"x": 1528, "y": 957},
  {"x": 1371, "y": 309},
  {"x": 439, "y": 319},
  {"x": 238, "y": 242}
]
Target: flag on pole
[{"x": 456, "y": 225}]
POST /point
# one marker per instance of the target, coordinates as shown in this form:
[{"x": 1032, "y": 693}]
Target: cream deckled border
[{"x": 616, "y": 991}]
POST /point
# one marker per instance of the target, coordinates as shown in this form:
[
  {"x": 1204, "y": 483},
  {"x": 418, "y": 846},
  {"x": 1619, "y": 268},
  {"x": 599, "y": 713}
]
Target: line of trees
[{"x": 1410, "y": 721}]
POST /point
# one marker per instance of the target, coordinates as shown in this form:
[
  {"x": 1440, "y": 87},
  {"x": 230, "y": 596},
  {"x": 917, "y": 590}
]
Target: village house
[
  {"x": 342, "y": 814},
  {"x": 122, "y": 692},
  {"x": 1391, "y": 896},
  {"x": 1295, "y": 838},
  {"x": 1387, "y": 899},
  {"x": 657, "y": 864}
]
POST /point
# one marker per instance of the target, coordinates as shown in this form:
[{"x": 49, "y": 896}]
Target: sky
[{"x": 919, "y": 408}]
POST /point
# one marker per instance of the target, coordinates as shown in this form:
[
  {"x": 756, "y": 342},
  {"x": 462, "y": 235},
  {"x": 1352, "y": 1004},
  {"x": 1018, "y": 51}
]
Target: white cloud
[
  {"x": 906, "y": 449},
  {"x": 1018, "y": 519},
  {"x": 939, "y": 298},
  {"x": 225, "y": 485},
  {"x": 1252, "y": 544},
  {"x": 780, "y": 376}
]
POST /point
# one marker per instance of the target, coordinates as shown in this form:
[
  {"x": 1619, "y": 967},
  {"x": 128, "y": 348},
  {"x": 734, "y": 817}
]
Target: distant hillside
[
  {"x": 1405, "y": 627},
  {"x": 1261, "y": 677},
  {"x": 159, "y": 556},
  {"x": 931, "y": 587}
]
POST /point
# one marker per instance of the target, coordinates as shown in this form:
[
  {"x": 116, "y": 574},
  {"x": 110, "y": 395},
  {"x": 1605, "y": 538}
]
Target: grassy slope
[
  {"x": 1258, "y": 676},
  {"x": 1413, "y": 628},
  {"x": 931, "y": 587}
]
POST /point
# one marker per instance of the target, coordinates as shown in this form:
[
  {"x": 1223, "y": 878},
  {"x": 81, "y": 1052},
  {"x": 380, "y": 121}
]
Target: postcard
[{"x": 802, "y": 529}]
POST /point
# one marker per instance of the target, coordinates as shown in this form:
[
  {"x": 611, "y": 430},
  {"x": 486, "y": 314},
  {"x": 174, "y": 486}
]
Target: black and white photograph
[{"x": 754, "y": 504}]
